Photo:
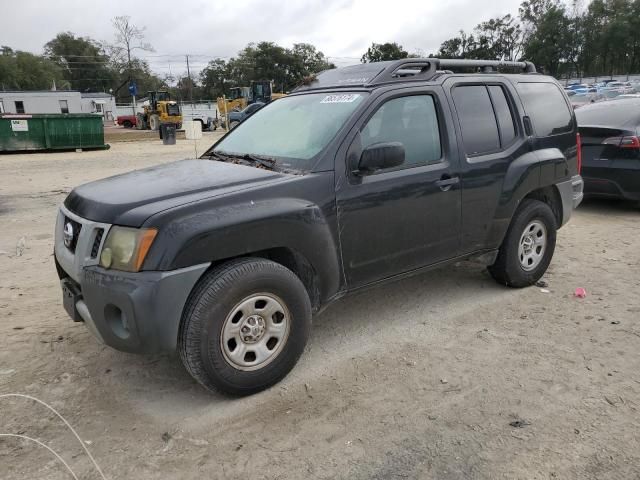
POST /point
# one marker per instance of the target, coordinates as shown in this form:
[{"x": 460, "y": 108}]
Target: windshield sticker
[{"x": 345, "y": 98}]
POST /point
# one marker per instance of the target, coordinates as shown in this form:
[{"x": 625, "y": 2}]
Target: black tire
[
  {"x": 213, "y": 299},
  {"x": 127, "y": 124},
  {"x": 508, "y": 269}
]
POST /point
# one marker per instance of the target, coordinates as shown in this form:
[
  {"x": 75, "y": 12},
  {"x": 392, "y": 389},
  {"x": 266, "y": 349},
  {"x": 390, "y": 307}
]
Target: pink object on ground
[{"x": 580, "y": 292}]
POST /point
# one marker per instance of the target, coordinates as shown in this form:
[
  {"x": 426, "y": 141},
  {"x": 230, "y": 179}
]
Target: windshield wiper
[
  {"x": 256, "y": 160},
  {"x": 266, "y": 162},
  {"x": 217, "y": 155}
]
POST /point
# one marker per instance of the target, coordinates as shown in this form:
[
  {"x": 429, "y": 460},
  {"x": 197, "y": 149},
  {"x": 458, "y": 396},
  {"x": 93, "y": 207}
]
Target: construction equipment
[
  {"x": 260, "y": 91},
  {"x": 240, "y": 97},
  {"x": 161, "y": 109}
]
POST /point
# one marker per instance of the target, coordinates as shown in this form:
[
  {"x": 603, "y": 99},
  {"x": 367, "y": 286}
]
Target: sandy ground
[
  {"x": 417, "y": 379},
  {"x": 113, "y": 134}
]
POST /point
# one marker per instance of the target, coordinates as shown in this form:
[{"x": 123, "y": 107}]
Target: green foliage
[
  {"x": 559, "y": 39},
  {"x": 497, "y": 38},
  {"x": 380, "y": 52},
  {"x": 82, "y": 60},
  {"x": 263, "y": 61},
  {"x": 26, "y": 71}
]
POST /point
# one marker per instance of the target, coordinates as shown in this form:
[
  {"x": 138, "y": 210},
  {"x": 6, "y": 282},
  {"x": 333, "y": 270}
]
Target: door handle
[{"x": 446, "y": 182}]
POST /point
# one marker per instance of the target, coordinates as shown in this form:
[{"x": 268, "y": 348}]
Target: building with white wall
[
  {"x": 45, "y": 101},
  {"x": 103, "y": 104}
]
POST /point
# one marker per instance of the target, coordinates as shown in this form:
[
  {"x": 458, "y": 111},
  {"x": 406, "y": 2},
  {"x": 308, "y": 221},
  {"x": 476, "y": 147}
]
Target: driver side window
[{"x": 412, "y": 121}]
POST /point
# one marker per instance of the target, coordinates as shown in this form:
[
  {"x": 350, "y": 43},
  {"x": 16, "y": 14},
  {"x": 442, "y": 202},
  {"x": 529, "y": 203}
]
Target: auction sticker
[
  {"x": 20, "y": 125},
  {"x": 344, "y": 98}
]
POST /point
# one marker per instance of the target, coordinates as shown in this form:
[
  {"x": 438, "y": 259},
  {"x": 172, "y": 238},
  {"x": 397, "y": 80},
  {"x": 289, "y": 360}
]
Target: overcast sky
[{"x": 342, "y": 29}]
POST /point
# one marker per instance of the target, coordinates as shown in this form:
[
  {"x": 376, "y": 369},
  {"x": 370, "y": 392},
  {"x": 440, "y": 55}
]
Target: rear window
[
  {"x": 610, "y": 114},
  {"x": 547, "y": 108}
]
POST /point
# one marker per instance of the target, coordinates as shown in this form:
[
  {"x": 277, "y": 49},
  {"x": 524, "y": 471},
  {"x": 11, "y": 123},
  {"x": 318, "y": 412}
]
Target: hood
[{"x": 131, "y": 198}]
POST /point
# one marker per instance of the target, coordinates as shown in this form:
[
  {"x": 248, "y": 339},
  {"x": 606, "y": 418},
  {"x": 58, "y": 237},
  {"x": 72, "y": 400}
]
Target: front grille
[
  {"x": 76, "y": 233},
  {"x": 96, "y": 243}
]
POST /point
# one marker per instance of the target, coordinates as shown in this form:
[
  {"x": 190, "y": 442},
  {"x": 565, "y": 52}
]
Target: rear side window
[
  {"x": 547, "y": 108},
  {"x": 477, "y": 120}
]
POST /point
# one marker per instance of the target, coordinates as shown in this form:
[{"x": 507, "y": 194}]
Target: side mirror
[{"x": 379, "y": 156}]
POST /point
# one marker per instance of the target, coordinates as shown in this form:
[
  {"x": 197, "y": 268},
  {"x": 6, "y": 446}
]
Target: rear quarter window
[{"x": 544, "y": 103}]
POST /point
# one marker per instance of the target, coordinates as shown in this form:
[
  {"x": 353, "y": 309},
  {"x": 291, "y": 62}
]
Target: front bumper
[
  {"x": 571, "y": 193},
  {"x": 133, "y": 312}
]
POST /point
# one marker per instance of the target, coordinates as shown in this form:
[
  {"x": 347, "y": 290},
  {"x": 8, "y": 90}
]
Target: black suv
[{"x": 363, "y": 175}]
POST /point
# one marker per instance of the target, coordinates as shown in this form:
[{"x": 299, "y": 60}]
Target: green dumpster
[{"x": 19, "y": 132}]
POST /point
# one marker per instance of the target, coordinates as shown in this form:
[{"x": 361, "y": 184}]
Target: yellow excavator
[
  {"x": 240, "y": 97},
  {"x": 161, "y": 109}
]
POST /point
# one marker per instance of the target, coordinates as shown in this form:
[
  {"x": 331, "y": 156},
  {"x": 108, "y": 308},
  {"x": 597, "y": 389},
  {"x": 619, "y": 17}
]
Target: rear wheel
[
  {"x": 127, "y": 124},
  {"x": 245, "y": 326},
  {"x": 528, "y": 246}
]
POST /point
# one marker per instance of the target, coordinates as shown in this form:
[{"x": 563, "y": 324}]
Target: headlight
[{"x": 126, "y": 248}]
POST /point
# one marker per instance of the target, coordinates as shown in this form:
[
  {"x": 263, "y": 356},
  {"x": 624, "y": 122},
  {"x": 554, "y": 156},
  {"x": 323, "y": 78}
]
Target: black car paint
[
  {"x": 348, "y": 230},
  {"x": 608, "y": 170}
]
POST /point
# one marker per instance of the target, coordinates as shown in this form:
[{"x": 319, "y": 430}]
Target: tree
[
  {"x": 215, "y": 79},
  {"x": 547, "y": 44},
  {"x": 379, "y": 52},
  {"x": 26, "y": 71},
  {"x": 128, "y": 39},
  {"x": 496, "y": 39},
  {"x": 84, "y": 63}
]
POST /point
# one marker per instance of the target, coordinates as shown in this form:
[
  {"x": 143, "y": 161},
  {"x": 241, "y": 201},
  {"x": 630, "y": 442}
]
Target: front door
[{"x": 396, "y": 220}]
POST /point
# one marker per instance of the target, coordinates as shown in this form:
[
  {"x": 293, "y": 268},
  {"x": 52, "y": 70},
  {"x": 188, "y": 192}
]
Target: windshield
[{"x": 292, "y": 130}]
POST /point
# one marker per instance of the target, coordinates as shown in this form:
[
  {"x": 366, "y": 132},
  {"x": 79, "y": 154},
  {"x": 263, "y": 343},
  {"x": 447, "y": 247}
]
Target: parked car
[
  {"x": 617, "y": 88},
  {"x": 364, "y": 175},
  {"x": 611, "y": 148},
  {"x": 236, "y": 117},
  {"x": 581, "y": 99},
  {"x": 127, "y": 121}
]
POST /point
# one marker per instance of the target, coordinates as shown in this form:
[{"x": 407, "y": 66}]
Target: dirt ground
[
  {"x": 113, "y": 134},
  {"x": 417, "y": 379}
]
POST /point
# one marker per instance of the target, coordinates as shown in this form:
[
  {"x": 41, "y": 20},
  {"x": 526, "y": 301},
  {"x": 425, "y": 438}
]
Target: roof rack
[
  {"x": 412, "y": 69},
  {"x": 427, "y": 68}
]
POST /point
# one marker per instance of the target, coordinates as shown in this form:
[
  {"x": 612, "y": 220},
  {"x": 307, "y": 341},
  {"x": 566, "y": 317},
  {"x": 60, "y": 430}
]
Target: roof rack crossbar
[{"x": 485, "y": 65}]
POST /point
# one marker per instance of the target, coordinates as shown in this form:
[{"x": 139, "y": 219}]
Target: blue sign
[{"x": 133, "y": 88}]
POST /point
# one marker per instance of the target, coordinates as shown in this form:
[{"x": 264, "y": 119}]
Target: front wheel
[
  {"x": 245, "y": 326},
  {"x": 528, "y": 246}
]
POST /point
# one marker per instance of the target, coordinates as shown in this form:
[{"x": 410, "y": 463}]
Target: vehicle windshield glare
[{"x": 292, "y": 130}]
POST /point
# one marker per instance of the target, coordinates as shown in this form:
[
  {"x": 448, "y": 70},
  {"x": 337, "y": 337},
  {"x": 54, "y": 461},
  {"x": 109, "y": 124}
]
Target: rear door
[
  {"x": 400, "y": 219},
  {"x": 490, "y": 137}
]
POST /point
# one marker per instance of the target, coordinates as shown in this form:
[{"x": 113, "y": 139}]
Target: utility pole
[{"x": 190, "y": 82}]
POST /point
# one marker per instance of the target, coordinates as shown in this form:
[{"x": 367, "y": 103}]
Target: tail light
[
  {"x": 579, "y": 152},
  {"x": 630, "y": 141}
]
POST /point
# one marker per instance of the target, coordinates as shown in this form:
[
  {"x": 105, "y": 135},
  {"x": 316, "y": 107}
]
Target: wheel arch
[
  {"x": 289, "y": 258},
  {"x": 551, "y": 196}
]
